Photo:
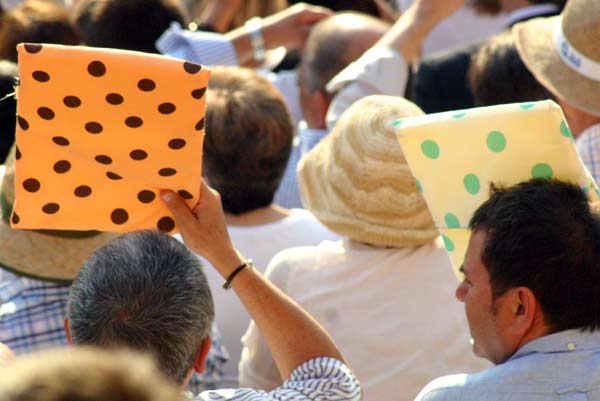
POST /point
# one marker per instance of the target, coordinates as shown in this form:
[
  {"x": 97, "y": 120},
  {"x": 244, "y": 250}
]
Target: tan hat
[
  {"x": 563, "y": 53},
  {"x": 46, "y": 255},
  {"x": 357, "y": 182}
]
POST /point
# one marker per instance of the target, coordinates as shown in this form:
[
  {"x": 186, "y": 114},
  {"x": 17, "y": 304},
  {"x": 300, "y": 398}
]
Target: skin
[{"x": 578, "y": 119}]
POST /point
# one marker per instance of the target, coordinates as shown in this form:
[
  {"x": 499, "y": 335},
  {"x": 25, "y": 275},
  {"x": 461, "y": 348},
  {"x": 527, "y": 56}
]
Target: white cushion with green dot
[{"x": 455, "y": 156}]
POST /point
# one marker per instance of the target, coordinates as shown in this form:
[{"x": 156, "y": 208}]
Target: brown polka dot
[
  {"x": 165, "y": 224},
  {"x": 82, "y": 191},
  {"x": 23, "y": 123},
  {"x": 41, "y": 76},
  {"x": 146, "y": 196},
  {"x": 33, "y": 48},
  {"x": 46, "y": 113},
  {"x": 114, "y": 99},
  {"x": 15, "y": 218},
  {"x": 200, "y": 125},
  {"x": 113, "y": 176},
  {"x": 61, "y": 141},
  {"x": 198, "y": 93},
  {"x": 96, "y": 68},
  {"x": 134, "y": 122},
  {"x": 146, "y": 85},
  {"x": 176, "y": 143},
  {"x": 17, "y": 153},
  {"x": 167, "y": 172},
  {"x": 50, "y": 208},
  {"x": 185, "y": 194},
  {"x": 191, "y": 68},
  {"x": 31, "y": 185},
  {"x": 93, "y": 127},
  {"x": 119, "y": 216},
  {"x": 62, "y": 166},
  {"x": 138, "y": 154},
  {"x": 166, "y": 108},
  {"x": 72, "y": 101},
  {"x": 103, "y": 159}
]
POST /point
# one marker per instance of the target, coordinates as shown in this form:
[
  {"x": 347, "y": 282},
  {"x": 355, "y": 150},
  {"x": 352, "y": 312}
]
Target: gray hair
[{"x": 145, "y": 291}]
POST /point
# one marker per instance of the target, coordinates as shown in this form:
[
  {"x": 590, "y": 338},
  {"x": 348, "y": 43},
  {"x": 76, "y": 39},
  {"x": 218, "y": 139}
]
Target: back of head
[
  {"x": 145, "y": 291},
  {"x": 127, "y": 24},
  {"x": 497, "y": 75},
  {"x": 357, "y": 182},
  {"x": 40, "y": 21},
  {"x": 84, "y": 374},
  {"x": 334, "y": 43},
  {"x": 248, "y": 139},
  {"x": 541, "y": 234}
]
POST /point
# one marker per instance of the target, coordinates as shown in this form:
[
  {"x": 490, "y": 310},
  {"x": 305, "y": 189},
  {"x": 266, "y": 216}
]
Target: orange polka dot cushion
[{"x": 100, "y": 132}]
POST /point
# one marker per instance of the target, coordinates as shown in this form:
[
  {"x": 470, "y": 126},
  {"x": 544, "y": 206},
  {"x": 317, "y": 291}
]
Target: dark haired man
[{"x": 531, "y": 291}]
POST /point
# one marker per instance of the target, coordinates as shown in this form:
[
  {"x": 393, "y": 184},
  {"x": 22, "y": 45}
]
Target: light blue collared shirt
[{"x": 563, "y": 366}]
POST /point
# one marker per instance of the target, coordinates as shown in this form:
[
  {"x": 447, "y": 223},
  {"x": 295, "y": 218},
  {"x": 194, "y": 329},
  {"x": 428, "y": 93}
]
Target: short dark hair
[
  {"x": 497, "y": 75},
  {"x": 146, "y": 291},
  {"x": 542, "y": 234},
  {"x": 127, "y": 24},
  {"x": 248, "y": 139},
  {"x": 34, "y": 21},
  {"x": 364, "y": 6},
  {"x": 494, "y": 7}
]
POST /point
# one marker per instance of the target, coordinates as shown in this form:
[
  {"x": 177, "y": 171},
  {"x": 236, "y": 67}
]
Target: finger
[{"x": 184, "y": 218}]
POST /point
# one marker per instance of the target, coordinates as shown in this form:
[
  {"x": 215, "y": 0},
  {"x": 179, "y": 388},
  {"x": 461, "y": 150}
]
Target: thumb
[{"x": 184, "y": 218}]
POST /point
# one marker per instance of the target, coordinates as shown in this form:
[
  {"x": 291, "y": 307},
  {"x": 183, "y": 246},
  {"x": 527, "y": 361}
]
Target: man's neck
[{"x": 265, "y": 215}]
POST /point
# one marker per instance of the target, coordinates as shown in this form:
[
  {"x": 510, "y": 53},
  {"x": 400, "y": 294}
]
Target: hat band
[{"x": 573, "y": 58}]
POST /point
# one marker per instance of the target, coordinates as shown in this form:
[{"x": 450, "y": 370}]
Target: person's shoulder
[{"x": 443, "y": 388}]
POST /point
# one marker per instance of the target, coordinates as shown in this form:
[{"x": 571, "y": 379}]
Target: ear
[
  {"x": 199, "y": 363},
  {"x": 525, "y": 311},
  {"x": 67, "y": 330}
]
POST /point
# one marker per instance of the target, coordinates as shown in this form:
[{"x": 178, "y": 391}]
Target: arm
[{"x": 292, "y": 334}]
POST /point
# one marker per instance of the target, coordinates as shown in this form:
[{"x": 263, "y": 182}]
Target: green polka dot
[
  {"x": 598, "y": 192},
  {"x": 397, "y": 123},
  {"x": 585, "y": 189},
  {"x": 541, "y": 170},
  {"x": 472, "y": 184},
  {"x": 430, "y": 149},
  {"x": 451, "y": 221},
  {"x": 448, "y": 243},
  {"x": 526, "y": 106},
  {"x": 419, "y": 185},
  {"x": 565, "y": 130},
  {"x": 459, "y": 115},
  {"x": 496, "y": 141}
]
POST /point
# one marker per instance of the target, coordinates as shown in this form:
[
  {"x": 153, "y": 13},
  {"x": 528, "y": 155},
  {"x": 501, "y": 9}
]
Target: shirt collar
[
  {"x": 563, "y": 341},
  {"x": 532, "y": 11}
]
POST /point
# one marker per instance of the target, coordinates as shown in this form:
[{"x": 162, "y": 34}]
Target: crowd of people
[{"x": 349, "y": 293}]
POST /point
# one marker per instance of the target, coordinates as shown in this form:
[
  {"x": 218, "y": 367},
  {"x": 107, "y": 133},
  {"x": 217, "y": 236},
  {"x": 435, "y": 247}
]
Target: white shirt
[
  {"x": 260, "y": 243},
  {"x": 391, "y": 311}
]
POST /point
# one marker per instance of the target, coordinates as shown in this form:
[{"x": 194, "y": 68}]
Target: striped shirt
[{"x": 316, "y": 379}]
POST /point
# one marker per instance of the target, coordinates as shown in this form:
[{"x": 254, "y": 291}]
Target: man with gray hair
[{"x": 146, "y": 291}]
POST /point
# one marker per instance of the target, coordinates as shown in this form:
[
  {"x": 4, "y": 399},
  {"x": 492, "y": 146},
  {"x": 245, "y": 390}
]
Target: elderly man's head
[
  {"x": 531, "y": 268},
  {"x": 332, "y": 45},
  {"x": 145, "y": 291}
]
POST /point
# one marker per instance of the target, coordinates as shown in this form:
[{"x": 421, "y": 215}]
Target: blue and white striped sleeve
[
  {"x": 205, "y": 48},
  {"x": 317, "y": 379}
]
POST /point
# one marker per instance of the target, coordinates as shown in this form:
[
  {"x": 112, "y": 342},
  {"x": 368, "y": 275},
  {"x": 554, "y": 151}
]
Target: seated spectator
[
  {"x": 36, "y": 21},
  {"x": 84, "y": 375},
  {"x": 358, "y": 184},
  {"x": 248, "y": 140},
  {"x": 562, "y": 54},
  {"x": 497, "y": 74},
  {"x": 331, "y": 45},
  {"x": 147, "y": 291},
  {"x": 527, "y": 241}
]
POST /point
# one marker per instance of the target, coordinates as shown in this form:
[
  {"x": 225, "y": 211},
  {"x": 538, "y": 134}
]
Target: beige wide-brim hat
[
  {"x": 357, "y": 182},
  {"x": 46, "y": 255},
  {"x": 580, "y": 23}
]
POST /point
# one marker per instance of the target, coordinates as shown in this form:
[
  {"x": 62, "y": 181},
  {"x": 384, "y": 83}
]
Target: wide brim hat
[
  {"x": 556, "y": 49},
  {"x": 42, "y": 254},
  {"x": 357, "y": 182}
]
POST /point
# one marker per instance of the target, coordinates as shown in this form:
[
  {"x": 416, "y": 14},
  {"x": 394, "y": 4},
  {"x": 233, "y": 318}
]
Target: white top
[
  {"x": 391, "y": 311},
  {"x": 259, "y": 243}
]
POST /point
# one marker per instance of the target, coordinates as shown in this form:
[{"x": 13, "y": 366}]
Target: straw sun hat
[
  {"x": 47, "y": 255},
  {"x": 563, "y": 53},
  {"x": 357, "y": 182}
]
